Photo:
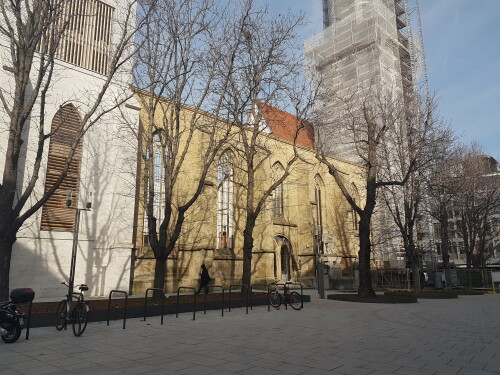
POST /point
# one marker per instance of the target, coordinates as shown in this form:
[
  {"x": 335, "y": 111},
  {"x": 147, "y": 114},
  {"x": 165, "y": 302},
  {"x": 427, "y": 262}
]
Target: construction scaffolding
[{"x": 367, "y": 44}]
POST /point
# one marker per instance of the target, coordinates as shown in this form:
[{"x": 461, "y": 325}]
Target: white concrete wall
[{"x": 41, "y": 259}]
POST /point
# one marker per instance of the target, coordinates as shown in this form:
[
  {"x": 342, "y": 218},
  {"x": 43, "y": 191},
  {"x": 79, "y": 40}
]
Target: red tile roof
[{"x": 284, "y": 125}]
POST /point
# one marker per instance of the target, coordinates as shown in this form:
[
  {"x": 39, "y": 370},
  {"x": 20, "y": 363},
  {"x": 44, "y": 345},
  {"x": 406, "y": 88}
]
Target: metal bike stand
[
  {"x": 251, "y": 294},
  {"x": 125, "y": 310},
  {"x": 231, "y": 292},
  {"x": 301, "y": 292},
  {"x": 222, "y": 302},
  {"x": 29, "y": 321},
  {"x": 162, "y": 302},
  {"x": 194, "y": 303}
]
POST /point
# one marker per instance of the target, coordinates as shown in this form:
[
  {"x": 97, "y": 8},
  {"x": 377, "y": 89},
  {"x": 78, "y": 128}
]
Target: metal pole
[
  {"x": 319, "y": 271},
  {"x": 74, "y": 251}
]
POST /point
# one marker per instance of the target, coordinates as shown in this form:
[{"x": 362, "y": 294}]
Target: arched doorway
[{"x": 283, "y": 269}]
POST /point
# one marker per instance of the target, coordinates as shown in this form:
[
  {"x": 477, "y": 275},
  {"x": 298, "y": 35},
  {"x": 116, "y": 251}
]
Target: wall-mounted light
[
  {"x": 69, "y": 197},
  {"x": 88, "y": 205}
]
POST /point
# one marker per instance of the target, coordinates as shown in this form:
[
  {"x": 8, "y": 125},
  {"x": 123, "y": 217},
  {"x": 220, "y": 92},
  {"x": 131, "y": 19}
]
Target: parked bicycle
[
  {"x": 294, "y": 299},
  {"x": 77, "y": 313}
]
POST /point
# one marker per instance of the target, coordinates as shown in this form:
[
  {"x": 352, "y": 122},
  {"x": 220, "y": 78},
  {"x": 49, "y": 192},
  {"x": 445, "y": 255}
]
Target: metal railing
[
  {"x": 475, "y": 278},
  {"x": 124, "y": 310},
  {"x": 194, "y": 301},
  {"x": 162, "y": 302},
  {"x": 222, "y": 301}
]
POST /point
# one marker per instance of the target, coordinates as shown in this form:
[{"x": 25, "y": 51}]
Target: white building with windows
[{"x": 102, "y": 171}]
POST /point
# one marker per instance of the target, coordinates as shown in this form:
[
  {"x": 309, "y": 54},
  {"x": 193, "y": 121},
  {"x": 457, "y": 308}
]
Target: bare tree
[
  {"x": 419, "y": 138},
  {"x": 33, "y": 32},
  {"x": 441, "y": 187},
  {"x": 266, "y": 75},
  {"x": 186, "y": 60},
  {"x": 476, "y": 203},
  {"x": 370, "y": 120}
]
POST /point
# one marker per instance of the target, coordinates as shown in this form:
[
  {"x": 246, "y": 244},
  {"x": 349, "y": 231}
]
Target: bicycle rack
[
  {"x": 231, "y": 292},
  {"x": 222, "y": 303},
  {"x": 162, "y": 302},
  {"x": 29, "y": 321},
  {"x": 194, "y": 303},
  {"x": 251, "y": 295},
  {"x": 290, "y": 290},
  {"x": 301, "y": 293},
  {"x": 125, "y": 310}
]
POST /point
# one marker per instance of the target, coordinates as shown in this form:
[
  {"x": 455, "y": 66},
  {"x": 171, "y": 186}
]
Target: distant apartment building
[{"x": 477, "y": 204}]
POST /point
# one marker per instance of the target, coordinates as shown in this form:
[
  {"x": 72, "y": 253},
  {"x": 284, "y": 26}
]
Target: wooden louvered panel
[
  {"x": 88, "y": 35},
  {"x": 65, "y": 128}
]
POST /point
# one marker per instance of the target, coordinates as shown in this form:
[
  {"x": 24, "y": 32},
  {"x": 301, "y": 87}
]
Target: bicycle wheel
[
  {"x": 62, "y": 313},
  {"x": 274, "y": 298},
  {"x": 296, "y": 301},
  {"x": 79, "y": 317}
]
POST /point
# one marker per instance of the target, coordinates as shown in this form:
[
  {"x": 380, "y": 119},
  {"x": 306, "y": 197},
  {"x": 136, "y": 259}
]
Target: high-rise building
[
  {"x": 364, "y": 44},
  {"x": 366, "y": 49}
]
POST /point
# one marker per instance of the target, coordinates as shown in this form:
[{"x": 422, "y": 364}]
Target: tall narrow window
[
  {"x": 65, "y": 129},
  {"x": 225, "y": 202},
  {"x": 278, "y": 209},
  {"x": 157, "y": 164},
  {"x": 318, "y": 198},
  {"x": 354, "y": 215}
]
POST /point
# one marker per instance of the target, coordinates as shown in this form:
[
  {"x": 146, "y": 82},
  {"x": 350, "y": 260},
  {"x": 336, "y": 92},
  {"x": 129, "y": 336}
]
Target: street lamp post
[
  {"x": 76, "y": 229},
  {"x": 317, "y": 247}
]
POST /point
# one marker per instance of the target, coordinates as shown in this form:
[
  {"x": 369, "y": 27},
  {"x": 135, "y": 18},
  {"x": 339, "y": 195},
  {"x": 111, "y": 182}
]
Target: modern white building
[{"x": 103, "y": 167}]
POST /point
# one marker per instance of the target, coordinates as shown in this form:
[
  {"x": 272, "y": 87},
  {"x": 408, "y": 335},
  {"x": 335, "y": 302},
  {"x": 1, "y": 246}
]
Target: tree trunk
[
  {"x": 445, "y": 245},
  {"x": 364, "y": 254},
  {"x": 413, "y": 256},
  {"x": 247, "y": 250},
  {"x": 415, "y": 268},
  {"x": 6, "y": 244},
  {"x": 160, "y": 273}
]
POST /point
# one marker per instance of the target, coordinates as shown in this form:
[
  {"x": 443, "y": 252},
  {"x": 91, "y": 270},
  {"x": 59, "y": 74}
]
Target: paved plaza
[{"x": 460, "y": 336}]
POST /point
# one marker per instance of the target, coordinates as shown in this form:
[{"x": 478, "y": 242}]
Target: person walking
[{"x": 204, "y": 279}]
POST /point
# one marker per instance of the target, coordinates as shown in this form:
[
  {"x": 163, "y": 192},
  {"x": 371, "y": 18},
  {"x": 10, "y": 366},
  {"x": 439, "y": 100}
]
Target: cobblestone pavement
[{"x": 460, "y": 336}]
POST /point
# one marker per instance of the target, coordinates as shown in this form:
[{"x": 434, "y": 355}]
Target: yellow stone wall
[{"x": 197, "y": 244}]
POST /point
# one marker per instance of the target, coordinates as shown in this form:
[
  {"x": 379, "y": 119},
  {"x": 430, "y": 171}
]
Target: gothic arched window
[
  {"x": 278, "y": 203},
  {"x": 157, "y": 165},
  {"x": 354, "y": 215},
  {"x": 225, "y": 202}
]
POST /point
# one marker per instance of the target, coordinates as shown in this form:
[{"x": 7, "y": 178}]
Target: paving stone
[
  {"x": 351, "y": 370},
  {"x": 327, "y": 337},
  {"x": 470, "y": 371}
]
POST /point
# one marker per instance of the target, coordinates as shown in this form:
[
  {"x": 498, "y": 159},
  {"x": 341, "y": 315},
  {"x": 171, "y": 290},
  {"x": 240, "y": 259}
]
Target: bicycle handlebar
[
  {"x": 279, "y": 282},
  {"x": 64, "y": 283}
]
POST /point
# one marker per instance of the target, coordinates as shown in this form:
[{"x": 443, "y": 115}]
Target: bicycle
[
  {"x": 294, "y": 299},
  {"x": 77, "y": 314}
]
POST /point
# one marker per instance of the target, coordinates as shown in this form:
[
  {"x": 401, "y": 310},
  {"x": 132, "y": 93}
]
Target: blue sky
[{"x": 462, "y": 46}]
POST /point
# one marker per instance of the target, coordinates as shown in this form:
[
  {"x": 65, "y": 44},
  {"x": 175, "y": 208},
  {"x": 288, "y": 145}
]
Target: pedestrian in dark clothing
[{"x": 204, "y": 279}]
